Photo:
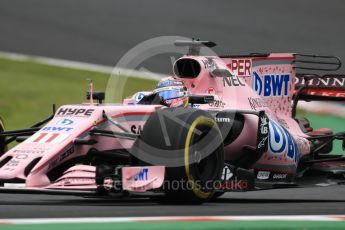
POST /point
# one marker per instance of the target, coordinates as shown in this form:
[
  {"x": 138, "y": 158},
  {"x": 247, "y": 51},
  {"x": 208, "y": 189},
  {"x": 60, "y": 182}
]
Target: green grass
[
  {"x": 28, "y": 90},
  {"x": 336, "y": 124}
]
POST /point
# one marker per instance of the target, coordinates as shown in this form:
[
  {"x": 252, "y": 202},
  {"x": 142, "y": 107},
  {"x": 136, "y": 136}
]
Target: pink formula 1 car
[{"x": 219, "y": 124}]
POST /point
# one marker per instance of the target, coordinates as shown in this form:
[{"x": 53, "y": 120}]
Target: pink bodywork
[
  {"x": 242, "y": 94},
  {"x": 53, "y": 144}
]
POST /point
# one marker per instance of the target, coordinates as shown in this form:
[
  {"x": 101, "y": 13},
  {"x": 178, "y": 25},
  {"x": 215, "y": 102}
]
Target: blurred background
[{"x": 102, "y": 31}]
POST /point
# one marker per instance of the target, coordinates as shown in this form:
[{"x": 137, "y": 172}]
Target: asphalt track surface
[
  {"x": 102, "y": 31},
  {"x": 297, "y": 201}
]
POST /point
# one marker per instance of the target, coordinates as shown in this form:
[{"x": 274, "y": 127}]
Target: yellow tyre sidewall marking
[{"x": 199, "y": 121}]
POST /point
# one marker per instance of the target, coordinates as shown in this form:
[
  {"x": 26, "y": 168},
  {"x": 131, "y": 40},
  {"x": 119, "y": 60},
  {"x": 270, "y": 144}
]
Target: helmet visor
[{"x": 170, "y": 94}]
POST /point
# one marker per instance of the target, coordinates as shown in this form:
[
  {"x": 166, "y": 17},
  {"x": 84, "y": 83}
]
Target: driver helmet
[{"x": 173, "y": 92}]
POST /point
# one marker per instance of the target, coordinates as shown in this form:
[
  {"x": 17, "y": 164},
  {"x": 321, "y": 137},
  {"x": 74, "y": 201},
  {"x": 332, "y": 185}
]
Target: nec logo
[
  {"x": 271, "y": 84},
  {"x": 75, "y": 112}
]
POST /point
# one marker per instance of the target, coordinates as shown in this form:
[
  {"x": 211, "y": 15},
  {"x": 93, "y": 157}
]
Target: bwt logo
[
  {"x": 271, "y": 84},
  {"x": 281, "y": 142},
  {"x": 56, "y": 129},
  {"x": 65, "y": 122},
  {"x": 142, "y": 175},
  {"x": 139, "y": 96}
]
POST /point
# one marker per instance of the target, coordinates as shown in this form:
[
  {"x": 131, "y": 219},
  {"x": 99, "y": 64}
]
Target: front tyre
[{"x": 189, "y": 143}]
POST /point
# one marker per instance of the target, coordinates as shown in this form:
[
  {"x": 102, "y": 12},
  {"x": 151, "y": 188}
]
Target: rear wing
[
  {"x": 315, "y": 87},
  {"x": 316, "y": 62}
]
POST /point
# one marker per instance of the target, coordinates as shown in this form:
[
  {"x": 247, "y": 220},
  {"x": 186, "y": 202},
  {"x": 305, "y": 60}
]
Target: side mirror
[
  {"x": 100, "y": 96},
  {"x": 220, "y": 73},
  {"x": 201, "y": 99}
]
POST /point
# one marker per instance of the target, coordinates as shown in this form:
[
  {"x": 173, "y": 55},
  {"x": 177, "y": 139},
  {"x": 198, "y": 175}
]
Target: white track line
[
  {"x": 80, "y": 65},
  {"x": 323, "y": 108},
  {"x": 173, "y": 218}
]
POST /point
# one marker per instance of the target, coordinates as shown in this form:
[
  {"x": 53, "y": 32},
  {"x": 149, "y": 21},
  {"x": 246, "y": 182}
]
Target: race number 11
[{"x": 49, "y": 138}]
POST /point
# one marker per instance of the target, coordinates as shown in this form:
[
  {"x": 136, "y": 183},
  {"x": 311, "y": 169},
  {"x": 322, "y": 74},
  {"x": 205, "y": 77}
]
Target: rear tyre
[{"x": 188, "y": 142}]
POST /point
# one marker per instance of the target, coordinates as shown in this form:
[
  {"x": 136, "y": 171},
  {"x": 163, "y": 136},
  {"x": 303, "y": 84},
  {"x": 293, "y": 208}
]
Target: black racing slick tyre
[
  {"x": 2, "y": 139},
  {"x": 189, "y": 143}
]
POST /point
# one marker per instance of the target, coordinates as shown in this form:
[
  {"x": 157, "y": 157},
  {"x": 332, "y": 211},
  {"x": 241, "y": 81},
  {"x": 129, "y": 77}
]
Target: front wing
[{"x": 80, "y": 180}]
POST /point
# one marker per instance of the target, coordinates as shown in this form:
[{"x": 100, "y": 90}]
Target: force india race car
[{"x": 219, "y": 124}]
